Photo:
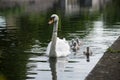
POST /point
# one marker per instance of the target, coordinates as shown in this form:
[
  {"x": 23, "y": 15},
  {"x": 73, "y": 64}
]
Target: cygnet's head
[
  {"x": 77, "y": 39},
  {"x": 54, "y": 18}
]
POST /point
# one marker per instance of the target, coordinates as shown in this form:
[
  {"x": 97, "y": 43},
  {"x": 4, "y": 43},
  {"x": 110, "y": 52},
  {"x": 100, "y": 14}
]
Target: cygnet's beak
[{"x": 50, "y": 21}]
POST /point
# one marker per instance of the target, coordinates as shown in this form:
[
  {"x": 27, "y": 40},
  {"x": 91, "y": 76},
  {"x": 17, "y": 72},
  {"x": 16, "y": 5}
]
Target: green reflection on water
[
  {"x": 111, "y": 13},
  {"x": 32, "y": 26},
  {"x": 13, "y": 64}
]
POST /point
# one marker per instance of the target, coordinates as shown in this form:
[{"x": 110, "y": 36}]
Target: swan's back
[{"x": 62, "y": 48}]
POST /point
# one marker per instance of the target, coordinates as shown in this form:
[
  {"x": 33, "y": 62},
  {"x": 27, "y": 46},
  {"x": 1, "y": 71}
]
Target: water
[{"x": 23, "y": 46}]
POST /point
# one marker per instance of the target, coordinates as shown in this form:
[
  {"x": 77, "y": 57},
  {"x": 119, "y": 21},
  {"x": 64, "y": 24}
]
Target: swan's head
[{"x": 54, "y": 18}]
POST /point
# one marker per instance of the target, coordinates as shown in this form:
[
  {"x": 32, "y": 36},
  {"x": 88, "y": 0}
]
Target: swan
[
  {"x": 57, "y": 47},
  {"x": 75, "y": 44},
  {"x": 88, "y": 53}
]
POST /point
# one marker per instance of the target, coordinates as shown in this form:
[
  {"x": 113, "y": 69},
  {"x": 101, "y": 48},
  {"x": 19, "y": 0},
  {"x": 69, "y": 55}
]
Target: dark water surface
[{"x": 25, "y": 34}]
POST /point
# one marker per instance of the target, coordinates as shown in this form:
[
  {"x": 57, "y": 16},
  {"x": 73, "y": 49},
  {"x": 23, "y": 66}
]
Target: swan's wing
[{"x": 62, "y": 47}]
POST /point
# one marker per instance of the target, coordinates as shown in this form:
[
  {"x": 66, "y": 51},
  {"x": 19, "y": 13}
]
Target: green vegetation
[{"x": 113, "y": 51}]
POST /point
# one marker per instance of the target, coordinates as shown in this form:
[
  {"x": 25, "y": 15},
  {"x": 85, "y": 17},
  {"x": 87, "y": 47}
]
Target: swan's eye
[{"x": 51, "y": 20}]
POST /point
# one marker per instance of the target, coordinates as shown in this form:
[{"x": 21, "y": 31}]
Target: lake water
[{"x": 23, "y": 44}]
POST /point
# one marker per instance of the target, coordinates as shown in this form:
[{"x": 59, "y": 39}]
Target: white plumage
[
  {"x": 62, "y": 48},
  {"x": 57, "y": 47}
]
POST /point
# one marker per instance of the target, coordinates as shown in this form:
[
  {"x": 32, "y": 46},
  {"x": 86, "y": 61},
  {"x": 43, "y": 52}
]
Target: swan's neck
[
  {"x": 54, "y": 40},
  {"x": 55, "y": 29}
]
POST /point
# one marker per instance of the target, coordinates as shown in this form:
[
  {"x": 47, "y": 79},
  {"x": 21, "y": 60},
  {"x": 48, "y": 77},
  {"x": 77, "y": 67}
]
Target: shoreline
[{"x": 108, "y": 67}]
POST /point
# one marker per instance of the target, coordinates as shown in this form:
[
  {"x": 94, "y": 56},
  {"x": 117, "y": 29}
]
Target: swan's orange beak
[{"x": 50, "y": 21}]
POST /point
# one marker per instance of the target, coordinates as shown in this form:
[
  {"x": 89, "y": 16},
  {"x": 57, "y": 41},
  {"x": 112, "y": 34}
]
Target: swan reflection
[{"x": 57, "y": 65}]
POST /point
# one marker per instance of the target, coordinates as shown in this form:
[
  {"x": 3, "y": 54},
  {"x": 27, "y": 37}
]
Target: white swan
[{"x": 57, "y": 47}]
